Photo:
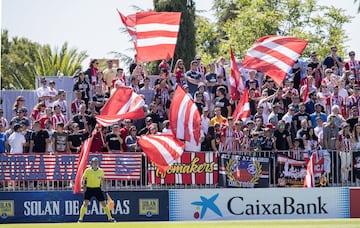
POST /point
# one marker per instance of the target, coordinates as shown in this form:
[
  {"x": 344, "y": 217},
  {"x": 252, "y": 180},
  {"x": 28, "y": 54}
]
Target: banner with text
[
  {"x": 64, "y": 206},
  {"x": 292, "y": 171},
  {"x": 243, "y": 171},
  {"x": 117, "y": 166},
  {"x": 190, "y": 168}
]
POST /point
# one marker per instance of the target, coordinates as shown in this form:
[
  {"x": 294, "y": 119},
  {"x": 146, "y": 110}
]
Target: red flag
[
  {"x": 236, "y": 81},
  {"x": 309, "y": 180},
  {"x": 242, "y": 110},
  {"x": 130, "y": 22},
  {"x": 123, "y": 104},
  {"x": 82, "y": 162},
  {"x": 274, "y": 55},
  {"x": 162, "y": 149},
  {"x": 156, "y": 35},
  {"x": 184, "y": 117}
]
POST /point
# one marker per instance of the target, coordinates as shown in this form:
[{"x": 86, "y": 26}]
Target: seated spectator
[
  {"x": 38, "y": 111},
  {"x": 75, "y": 104},
  {"x": 58, "y": 117}
]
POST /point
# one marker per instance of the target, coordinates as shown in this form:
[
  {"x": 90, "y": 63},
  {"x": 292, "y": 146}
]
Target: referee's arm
[
  {"x": 83, "y": 182},
  {"x": 102, "y": 184}
]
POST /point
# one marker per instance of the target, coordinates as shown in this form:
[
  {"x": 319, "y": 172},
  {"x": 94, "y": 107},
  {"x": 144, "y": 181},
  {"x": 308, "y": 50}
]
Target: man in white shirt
[
  {"x": 43, "y": 89},
  {"x": 205, "y": 121},
  {"x": 17, "y": 140}
]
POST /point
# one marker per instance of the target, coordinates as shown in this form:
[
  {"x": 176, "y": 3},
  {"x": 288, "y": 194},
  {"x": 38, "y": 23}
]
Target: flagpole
[{"x": 171, "y": 65}]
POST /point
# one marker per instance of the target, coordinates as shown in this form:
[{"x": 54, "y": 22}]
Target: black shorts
[{"x": 96, "y": 192}]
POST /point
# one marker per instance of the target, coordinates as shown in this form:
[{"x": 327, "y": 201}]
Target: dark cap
[
  {"x": 43, "y": 80},
  {"x": 17, "y": 127}
]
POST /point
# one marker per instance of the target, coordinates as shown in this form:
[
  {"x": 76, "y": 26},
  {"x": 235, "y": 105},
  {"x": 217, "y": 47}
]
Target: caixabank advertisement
[{"x": 268, "y": 203}]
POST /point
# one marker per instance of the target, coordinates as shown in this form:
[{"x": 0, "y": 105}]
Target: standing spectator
[
  {"x": 211, "y": 77},
  {"x": 59, "y": 139},
  {"x": 98, "y": 98},
  {"x": 336, "y": 99},
  {"x": 82, "y": 85},
  {"x": 353, "y": 100},
  {"x": 20, "y": 117},
  {"x": 227, "y": 136},
  {"x": 301, "y": 115},
  {"x": 218, "y": 118},
  {"x": 318, "y": 113},
  {"x": 147, "y": 91},
  {"x": 134, "y": 84},
  {"x": 179, "y": 72},
  {"x": 267, "y": 144},
  {"x": 76, "y": 138},
  {"x": 124, "y": 132},
  {"x": 131, "y": 140},
  {"x": 113, "y": 140},
  {"x": 4, "y": 144},
  {"x": 20, "y": 104},
  {"x": 101, "y": 82},
  {"x": 75, "y": 104},
  {"x": 205, "y": 121},
  {"x": 316, "y": 69},
  {"x": 140, "y": 73},
  {"x": 82, "y": 119},
  {"x": 198, "y": 101},
  {"x": 282, "y": 137},
  {"x": 333, "y": 59},
  {"x": 52, "y": 91},
  {"x": 252, "y": 78},
  {"x": 323, "y": 96},
  {"x": 220, "y": 66},
  {"x": 165, "y": 66},
  {"x": 219, "y": 83},
  {"x": 145, "y": 130},
  {"x": 58, "y": 117},
  {"x": 310, "y": 103},
  {"x": 193, "y": 78},
  {"x": 39, "y": 139},
  {"x": 91, "y": 72},
  {"x": 17, "y": 140},
  {"x": 273, "y": 117},
  {"x": 353, "y": 65},
  {"x": 119, "y": 78},
  {"x": 109, "y": 74},
  {"x": 353, "y": 118},
  {"x": 222, "y": 102},
  {"x": 200, "y": 68},
  {"x": 344, "y": 146},
  {"x": 43, "y": 90},
  {"x": 38, "y": 111},
  {"x": 319, "y": 131},
  {"x": 3, "y": 120},
  {"x": 62, "y": 102}
]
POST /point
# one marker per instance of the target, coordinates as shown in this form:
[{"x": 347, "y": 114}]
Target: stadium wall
[{"x": 185, "y": 204}]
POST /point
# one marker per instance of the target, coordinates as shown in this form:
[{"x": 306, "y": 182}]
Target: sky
[{"x": 94, "y": 26}]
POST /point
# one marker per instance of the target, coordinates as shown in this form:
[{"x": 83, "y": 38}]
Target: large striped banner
[
  {"x": 191, "y": 168},
  {"x": 117, "y": 166}
]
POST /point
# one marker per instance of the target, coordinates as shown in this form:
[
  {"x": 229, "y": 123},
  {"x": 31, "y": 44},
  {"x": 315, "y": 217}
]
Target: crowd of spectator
[{"x": 318, "y": 109}]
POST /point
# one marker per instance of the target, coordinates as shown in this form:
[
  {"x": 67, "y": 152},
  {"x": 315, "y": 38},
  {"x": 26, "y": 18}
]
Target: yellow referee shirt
[{"x": 93, "y": 177}]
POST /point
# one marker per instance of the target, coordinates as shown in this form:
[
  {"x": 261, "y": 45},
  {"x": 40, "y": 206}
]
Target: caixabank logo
[{"x": 206, "y": 204}]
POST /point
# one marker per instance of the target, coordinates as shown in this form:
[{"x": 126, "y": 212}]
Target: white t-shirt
[
  {"x": 41, "y": 91},
  {"x": 16, "y": 141}
]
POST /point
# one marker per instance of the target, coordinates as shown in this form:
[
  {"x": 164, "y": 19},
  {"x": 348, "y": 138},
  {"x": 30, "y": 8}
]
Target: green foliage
[
  {"x": 241, "y": 22},
  {"x": 23, "y": 59}
]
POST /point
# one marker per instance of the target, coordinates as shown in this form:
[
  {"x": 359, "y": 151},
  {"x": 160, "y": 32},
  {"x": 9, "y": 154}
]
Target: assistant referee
[{"x": 92, "y": 180}]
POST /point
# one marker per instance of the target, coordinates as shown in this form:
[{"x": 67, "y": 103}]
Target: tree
[
  {"x": 247, "y": 20},
  {"x": 358, "y": 5},
  {"x": 185, "y": 47},
  {"x": 22, "y": 60}
]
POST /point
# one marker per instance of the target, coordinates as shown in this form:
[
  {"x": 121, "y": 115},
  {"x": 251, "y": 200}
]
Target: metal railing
[{"x": 332, "y": 175}]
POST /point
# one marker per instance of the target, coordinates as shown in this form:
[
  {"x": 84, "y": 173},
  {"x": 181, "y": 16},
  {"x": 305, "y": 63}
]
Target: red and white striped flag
[
  {"x": 236, "y": 81},
  {"x": 162, "y": 149},
  {"x": 309, "y": 181},
  {"x": 156, "y": 35},
  {"x": 184, "y": 117},
  {"x": 242, "y": 111},
  {"x": 82, "y": 162},
  {"x": 305, "y": 97},
  {"x": 274, "y": 55},
  {"x": 123, "y": 104},
  {"x": 129, "y": 21}
]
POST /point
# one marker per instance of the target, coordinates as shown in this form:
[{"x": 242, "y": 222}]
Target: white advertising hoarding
[{"x": 266, "y": 203}]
